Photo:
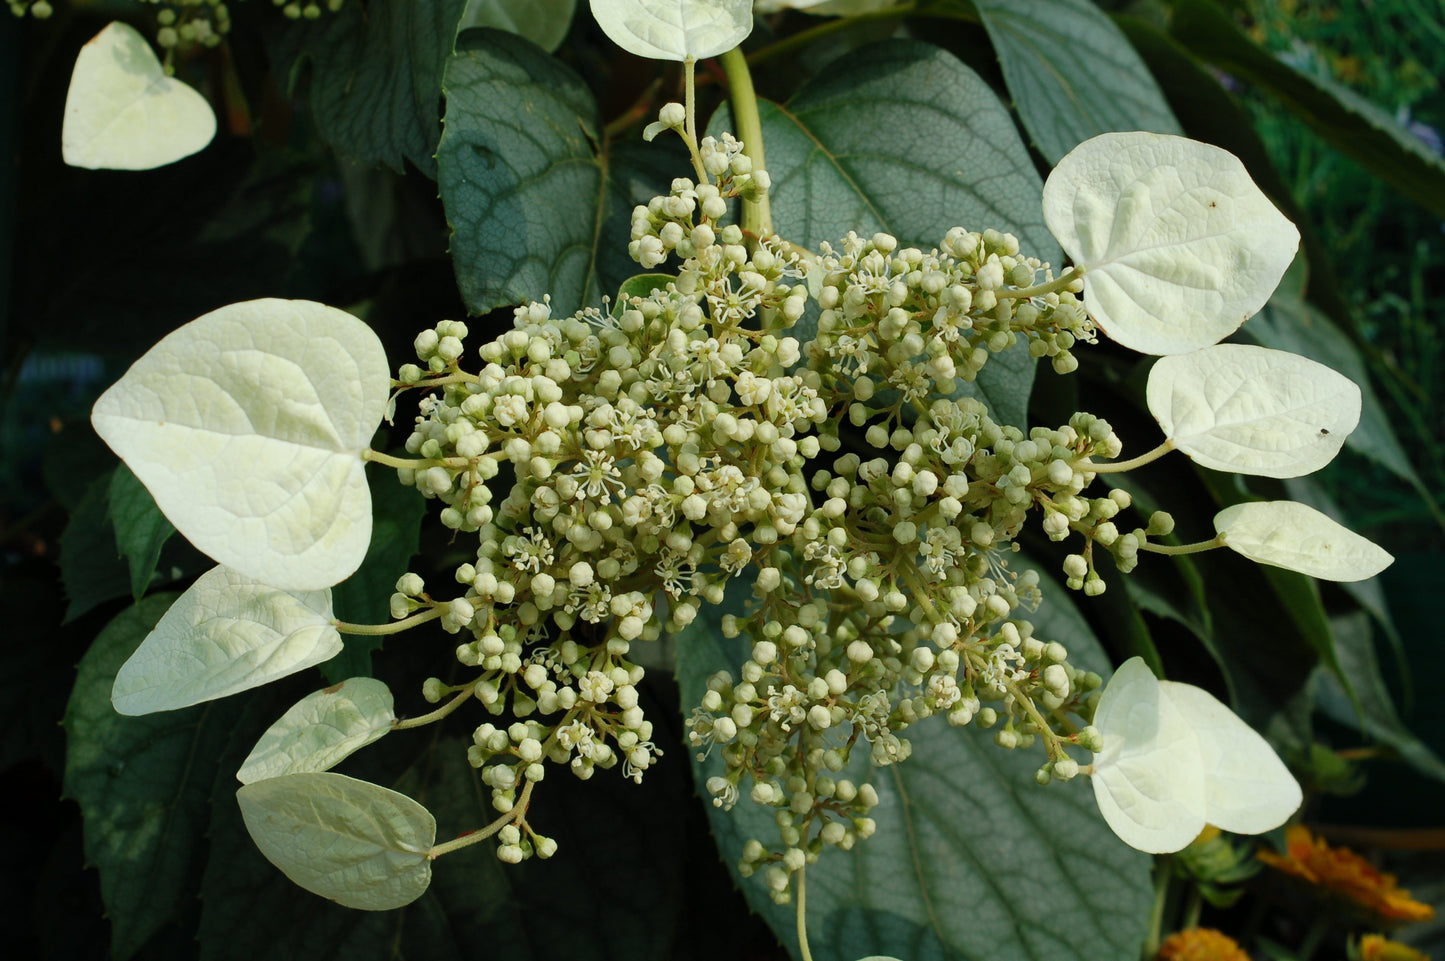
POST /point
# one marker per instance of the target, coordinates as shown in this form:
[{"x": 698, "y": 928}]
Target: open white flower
[{"x": 1175, "y": 759}]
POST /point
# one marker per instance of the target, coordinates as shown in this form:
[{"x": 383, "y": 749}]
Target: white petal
[
  {"x": 123, "y": 113},
  {"x": 1298, "y": 537},
  {"x": 1178, "y": 245},
  {"x": 321, "y": 729},
  {"x": 1148, "y": 779},
  {"x": 675, "y": 29},
  {"x": 247, "y": 426},
  {"x": 1253, "y": 410},
  {"x": 358, "y": 844},
  {"x": 1248, "y": 790},
  {"x": 228, "y": 633}
]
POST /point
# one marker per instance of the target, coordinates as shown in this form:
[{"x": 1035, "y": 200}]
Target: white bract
[
  {"x": 248, "y": 425},
  {"x": 123, "y": 113},
  {"x": 321, "y": 729},
  {"x": 1175, "y": 759},
  {"x": 227, "y": 633},
  {"x": 1298, "y": 537},
  {"x": 675, "y": 29},
  {"x": 358, "y": 844},
  {"x": 829, "y": 8},
  {"x": 1177, "y": 245},
  {"x": 1234, "y": 407}
]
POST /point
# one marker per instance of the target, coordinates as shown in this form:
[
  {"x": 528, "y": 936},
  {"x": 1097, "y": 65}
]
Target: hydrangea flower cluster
[{"x": 625, "y": 466}]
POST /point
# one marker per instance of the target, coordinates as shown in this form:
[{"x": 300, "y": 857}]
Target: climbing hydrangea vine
[{"x": 618, "y": 471}]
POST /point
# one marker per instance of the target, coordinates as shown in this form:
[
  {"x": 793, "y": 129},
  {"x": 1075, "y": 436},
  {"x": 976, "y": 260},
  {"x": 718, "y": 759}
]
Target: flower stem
[
  {"x": 1163, "y": 871},
  {"x": 439, "y": 713},
  {"x": 413, "y": 463},
  {"x": 1119, "y": 467},
  {"x": 803, "y": 951},
  {"x": 757, "y": 214},
  {"x": 689, "y": 82},
  {"x": 395, "y": 627},
  {"x": 1060, "y": 282},
  {"x": 474, "y": 837},
  {"x": 1195, "y": 548}
]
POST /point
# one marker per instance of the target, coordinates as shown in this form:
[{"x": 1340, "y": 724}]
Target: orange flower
[
  {"x": 1345, "y": 873},
  {"x": 1375, "y": 947},
  {"x": 1200, "y": 944}
]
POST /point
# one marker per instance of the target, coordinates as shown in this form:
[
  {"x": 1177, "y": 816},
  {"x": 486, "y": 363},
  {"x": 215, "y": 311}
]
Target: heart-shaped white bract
[
  {"x": 1252, "y": 410},
  {"x": 123, "y": 113},
  {"x": 675, "y": 29},
  {"x": 1175, "y": 759},
  {"x": 1297, "y": 537},
  {"x": 227, "y": 633},
  {"x": 825, "y": 8},
  {"x": 248, "y": 425},
  {"x": 1177, "y": 245},
  {"x": 358, "y": 844},
  {"x": 321, "y": 729}
]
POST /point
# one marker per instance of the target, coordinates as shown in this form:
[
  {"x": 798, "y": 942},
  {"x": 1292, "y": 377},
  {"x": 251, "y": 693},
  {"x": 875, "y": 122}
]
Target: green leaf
[
  {"x": 536, "y": 206},
  {"x": 641, "y": 285},
  {"x": 143, "y": 785},
  {"x": 1072, "y": 73},
  {"x": 902, "y": 137},
  {"x": 1358, "y": 128},
  {"x": 544, "y": 22},
  {"x": 363, "y": 598},
  {"x": 1376, "y": 715},
  {"x": 964, "y": 835},
  {"x": 141, "y": 530},
  {"x": 375, "y": 77},
  {"x": 1288, "y": 322},
  {"x": 90, "y": 566}
]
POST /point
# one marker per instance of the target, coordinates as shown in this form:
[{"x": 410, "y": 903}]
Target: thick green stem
[
  {"x": 395, "y": 627},
  {"x": 748, "y": 124},
  {"x": 441, "y": 712},
  {"x": 1163, "y": 871}
]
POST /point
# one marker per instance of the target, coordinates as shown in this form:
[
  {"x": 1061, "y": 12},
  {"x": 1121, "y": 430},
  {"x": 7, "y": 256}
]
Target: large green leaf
[
  {"x": 966, "y": 841},
  {"x": 141, "y": 530},
  {"x": 1358, "y": 128},
  {"x": 536, "y": 202},
  {"x": 1072, "y": 73},
  {"x": 364, "y": 597},
  {"x": 143, "y": 784},
  {"x": 376, "y": 72},
  {"x": 1376, "y": 715},
  {"x": 902, "y": 137},
  {"x": 90, "y": 565}
]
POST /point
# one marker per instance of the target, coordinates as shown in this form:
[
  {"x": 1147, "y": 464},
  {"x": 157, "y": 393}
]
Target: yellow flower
[
  {"x": 1376, "y": 947},
  {"x": 1343, "y": 872},
  {"x": 1200, "y": 944}
]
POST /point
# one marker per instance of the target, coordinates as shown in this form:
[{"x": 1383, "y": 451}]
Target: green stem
[
  {"x": 441, "y": 712},
  {"x": 413, "y": 463},
  {"x": 1195, "y": 548},
  {"x": 1163, "y": 871},
  {"x": 395, "y": 627},
  {"x": 1193, "y": 908},
  {"x": 827, "y": 28},
  {"x": 1052, "y": 747},
  {"x": 1314, "y": 936},
  {"x": 460, "y": 377},
  {"x": 1063, "y": 281},
  {"x": 1119, "y": 467},
  {"x": 803, "y": 951},
  {"x": 466, "y": 840},
  {"x": 757, "y": 214},
  {"x": 689, "y": 82}
]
